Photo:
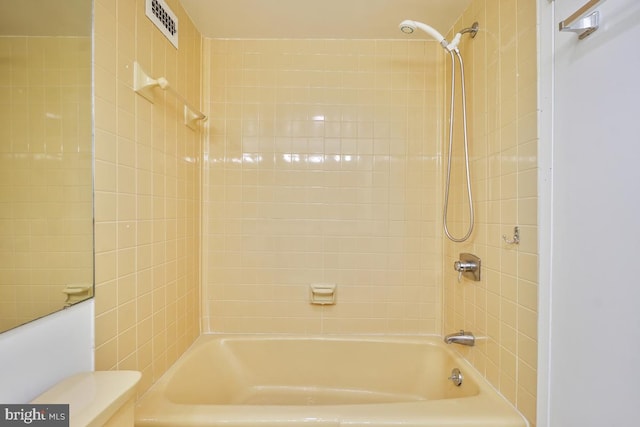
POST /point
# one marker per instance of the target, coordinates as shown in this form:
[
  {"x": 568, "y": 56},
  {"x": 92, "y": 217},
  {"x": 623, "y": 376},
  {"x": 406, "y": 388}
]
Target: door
[{"x": 589, "y": 373}]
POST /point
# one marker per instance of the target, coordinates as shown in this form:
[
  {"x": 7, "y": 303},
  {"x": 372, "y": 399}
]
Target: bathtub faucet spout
[{"x": 462, "y": 337}]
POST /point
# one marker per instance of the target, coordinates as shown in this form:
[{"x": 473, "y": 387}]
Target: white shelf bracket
[
  {"x": 143, "y": 84},
  {"x": 191, "y": 118}
]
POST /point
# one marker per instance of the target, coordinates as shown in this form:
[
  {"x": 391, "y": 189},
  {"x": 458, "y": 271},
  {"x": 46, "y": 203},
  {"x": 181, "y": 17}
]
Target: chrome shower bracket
[
  {"x": 468, "y": 266},
  {"x": 473, "y": 29}
]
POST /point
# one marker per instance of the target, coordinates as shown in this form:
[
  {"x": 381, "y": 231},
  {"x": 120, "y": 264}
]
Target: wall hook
[{"x": 516, "y": 237}]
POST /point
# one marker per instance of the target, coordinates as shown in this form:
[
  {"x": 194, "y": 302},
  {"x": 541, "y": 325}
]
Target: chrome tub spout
[{"x": 462, "y": 337}]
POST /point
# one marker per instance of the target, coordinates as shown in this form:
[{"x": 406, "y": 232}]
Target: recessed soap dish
[{"x": 322, "y": 293}]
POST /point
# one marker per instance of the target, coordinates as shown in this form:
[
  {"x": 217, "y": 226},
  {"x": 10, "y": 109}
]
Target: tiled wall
[
  {"x": 147, "y": 193},
  {"x": 322, "y": 165},
  {"x": 45, "y": 173},
  {"x": 501, "y": 309}
]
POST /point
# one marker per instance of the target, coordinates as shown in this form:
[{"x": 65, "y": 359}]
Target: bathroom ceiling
[{"x": 326, "y": 19}]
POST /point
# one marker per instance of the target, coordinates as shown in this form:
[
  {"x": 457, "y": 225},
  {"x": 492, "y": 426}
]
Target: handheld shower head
[{"x": 408, "y": 26}]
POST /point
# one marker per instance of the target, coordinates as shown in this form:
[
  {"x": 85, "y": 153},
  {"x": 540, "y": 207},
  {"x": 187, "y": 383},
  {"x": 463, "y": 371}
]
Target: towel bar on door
[{"x": 585, "y": 25}]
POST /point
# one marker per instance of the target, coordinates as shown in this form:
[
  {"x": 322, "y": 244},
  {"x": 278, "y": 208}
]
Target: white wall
[
  {"x": 35, "y": 356},
  {"x": 590, "y": 219}
]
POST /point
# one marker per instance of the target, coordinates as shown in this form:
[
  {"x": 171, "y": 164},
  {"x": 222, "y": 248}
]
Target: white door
[{"x": 589, "y": 368}]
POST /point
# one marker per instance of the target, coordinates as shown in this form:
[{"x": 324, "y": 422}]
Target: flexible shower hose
[{"x": 466, "y": 151}]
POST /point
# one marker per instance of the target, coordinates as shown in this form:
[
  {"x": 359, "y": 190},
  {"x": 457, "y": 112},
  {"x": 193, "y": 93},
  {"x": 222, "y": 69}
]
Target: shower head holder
[{"x": 473, "y": 29}]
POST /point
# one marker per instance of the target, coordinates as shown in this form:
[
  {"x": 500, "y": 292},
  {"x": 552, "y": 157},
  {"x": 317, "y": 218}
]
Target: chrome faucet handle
[
  {"x": 462, "y": 266},
  {"x": 468, "y": 266}
]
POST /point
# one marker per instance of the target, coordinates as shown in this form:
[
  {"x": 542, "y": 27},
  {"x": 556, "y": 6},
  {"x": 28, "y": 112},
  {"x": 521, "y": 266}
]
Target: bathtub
[{"x": 328, "y": 381}]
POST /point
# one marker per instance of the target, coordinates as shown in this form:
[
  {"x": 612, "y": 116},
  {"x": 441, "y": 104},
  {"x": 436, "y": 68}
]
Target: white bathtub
[{"x": 295, "y": 381}]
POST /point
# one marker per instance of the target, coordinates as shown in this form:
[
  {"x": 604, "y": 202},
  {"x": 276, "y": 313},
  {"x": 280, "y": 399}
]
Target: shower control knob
[
  {"x": 468, "y": 266},
  {"x": 464, "y": 266}
]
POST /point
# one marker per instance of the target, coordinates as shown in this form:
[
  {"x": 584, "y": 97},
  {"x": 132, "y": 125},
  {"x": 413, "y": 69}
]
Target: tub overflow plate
[{"x": 456, "y": 377}]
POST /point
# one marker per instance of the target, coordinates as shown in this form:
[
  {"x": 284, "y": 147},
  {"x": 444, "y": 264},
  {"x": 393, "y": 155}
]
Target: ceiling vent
[{"x": 163, "y": 17}]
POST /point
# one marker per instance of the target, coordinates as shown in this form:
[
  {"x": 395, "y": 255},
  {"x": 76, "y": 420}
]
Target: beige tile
[
  {"x": 106, "y": 327},
  {"x": 139, "y": 180},
  {"x": 503, "y": 80},
  {"x": 106, "y": 356},
  {"x": 356, "y": 199},
  {"x": 106, "y": 298},
  {"x": 528, "y": 294}
]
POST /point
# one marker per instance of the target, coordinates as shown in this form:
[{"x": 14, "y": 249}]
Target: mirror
[{"x": 46, "y": 157}]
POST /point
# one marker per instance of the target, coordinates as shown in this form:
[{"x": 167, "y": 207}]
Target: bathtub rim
[{"x": 488, "y": 395}]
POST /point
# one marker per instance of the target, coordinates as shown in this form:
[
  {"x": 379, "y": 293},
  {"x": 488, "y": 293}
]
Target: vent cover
[{"x": 164, "y": 18}]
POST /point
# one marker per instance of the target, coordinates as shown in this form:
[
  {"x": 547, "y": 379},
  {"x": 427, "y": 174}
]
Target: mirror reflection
[{"x": 46, "y": 189}]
